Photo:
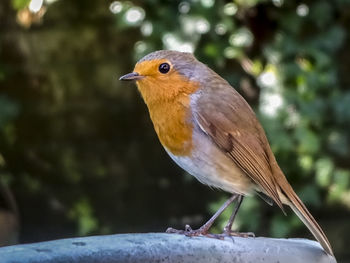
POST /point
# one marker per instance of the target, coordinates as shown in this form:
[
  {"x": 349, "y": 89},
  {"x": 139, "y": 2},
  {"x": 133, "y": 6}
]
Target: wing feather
[
  {"x": 224, "y": 116},
  {"x": 231, "y": 124}
]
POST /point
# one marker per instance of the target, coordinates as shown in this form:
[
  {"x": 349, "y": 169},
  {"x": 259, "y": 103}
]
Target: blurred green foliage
[
  {"x": 20, "y": 4},
  {"x": 77, "y": 147}
]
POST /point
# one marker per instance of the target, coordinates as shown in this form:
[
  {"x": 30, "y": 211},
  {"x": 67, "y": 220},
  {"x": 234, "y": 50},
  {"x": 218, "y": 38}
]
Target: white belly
[{"x": 212, "y": 167}]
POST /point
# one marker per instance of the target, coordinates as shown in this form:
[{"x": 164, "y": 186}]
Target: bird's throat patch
[{"x": 173, "y": 125}]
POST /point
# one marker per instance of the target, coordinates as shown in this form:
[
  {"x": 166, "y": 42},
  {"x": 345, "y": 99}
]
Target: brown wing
[{"x": 229, "y": 121}]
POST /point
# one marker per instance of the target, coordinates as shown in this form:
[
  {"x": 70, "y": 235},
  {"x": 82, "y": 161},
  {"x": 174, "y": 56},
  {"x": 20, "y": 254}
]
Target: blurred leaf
[
  {"x": 341, "y": 104},
  {"x": 248, "y": 216},
  {"x": 308, "y": 141},
  {"x": 321, "y": 9},
  {"x": 306, "y": 162},
  {"x": 280, "y": 226},
  {"x": 8, "y": 110},
  {"x": 248, "y": 3},
  {"x": 20, "y": 4},
  {"x": 342, "y": 179},
  {"x": 310, "y": 194},
  {"x": 338, "y": 143},
  {"x": 33, "y": 184},
  {"x": 324, "y": 170},
  {"x": 211, "y": 50},
  {"x": 2, "y": 161},
  {"x": 82, "y": 212}
]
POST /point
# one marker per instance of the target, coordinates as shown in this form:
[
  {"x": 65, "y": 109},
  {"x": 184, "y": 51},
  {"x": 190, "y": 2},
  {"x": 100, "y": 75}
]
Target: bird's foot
[
  {"x": 237, "y": 234},
  {"x": 188, "y": 231},
  {"x": 202, "y": 231}
]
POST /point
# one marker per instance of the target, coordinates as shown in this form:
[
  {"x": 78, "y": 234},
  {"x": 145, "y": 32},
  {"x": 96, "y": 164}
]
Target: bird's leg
[
  {"x": 203, "y": 230},
  {"x": 228, "y": 228}
]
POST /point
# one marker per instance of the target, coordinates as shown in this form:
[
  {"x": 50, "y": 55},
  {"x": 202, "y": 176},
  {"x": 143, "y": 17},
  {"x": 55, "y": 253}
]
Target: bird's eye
[{"x": 164, "y": 68}]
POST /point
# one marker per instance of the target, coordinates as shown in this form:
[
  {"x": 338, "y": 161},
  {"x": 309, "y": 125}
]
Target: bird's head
[{"x": 163, "y": 75}]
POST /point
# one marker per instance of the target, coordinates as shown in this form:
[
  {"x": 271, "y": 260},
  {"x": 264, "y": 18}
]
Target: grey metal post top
[{"x": 161, "y": 247}]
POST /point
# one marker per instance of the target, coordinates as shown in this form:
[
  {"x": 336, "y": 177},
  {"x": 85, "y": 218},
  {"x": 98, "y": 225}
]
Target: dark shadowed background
[{"x": 78, "y": 154}]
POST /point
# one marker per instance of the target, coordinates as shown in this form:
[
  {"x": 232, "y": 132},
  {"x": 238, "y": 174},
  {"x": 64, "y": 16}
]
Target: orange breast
[
  {"x": 172, "y": 122},
  {"x": 168, "y": 100}
]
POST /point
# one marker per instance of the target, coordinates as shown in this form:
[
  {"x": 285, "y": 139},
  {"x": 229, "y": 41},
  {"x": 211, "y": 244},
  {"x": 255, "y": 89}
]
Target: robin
[{"x": 210, "y": 131}]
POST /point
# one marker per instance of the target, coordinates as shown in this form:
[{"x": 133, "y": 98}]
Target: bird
[{"x": 210, "y": 131}]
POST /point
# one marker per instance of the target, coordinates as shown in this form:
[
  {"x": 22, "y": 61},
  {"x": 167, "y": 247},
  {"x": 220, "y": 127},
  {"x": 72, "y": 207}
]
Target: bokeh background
[{"x": 78, "y": 154}]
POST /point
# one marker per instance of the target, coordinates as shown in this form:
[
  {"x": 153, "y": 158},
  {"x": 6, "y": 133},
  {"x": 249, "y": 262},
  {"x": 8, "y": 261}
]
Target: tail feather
[{"x": 305, "y": 216}]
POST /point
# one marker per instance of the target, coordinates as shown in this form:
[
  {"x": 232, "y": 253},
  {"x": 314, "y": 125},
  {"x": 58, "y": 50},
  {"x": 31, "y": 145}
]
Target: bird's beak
[{"x": 131, "y": 76}]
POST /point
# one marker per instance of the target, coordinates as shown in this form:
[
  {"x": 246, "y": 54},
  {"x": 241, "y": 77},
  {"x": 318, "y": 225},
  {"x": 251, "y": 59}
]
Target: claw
[{"x": 188, "y": 228}]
